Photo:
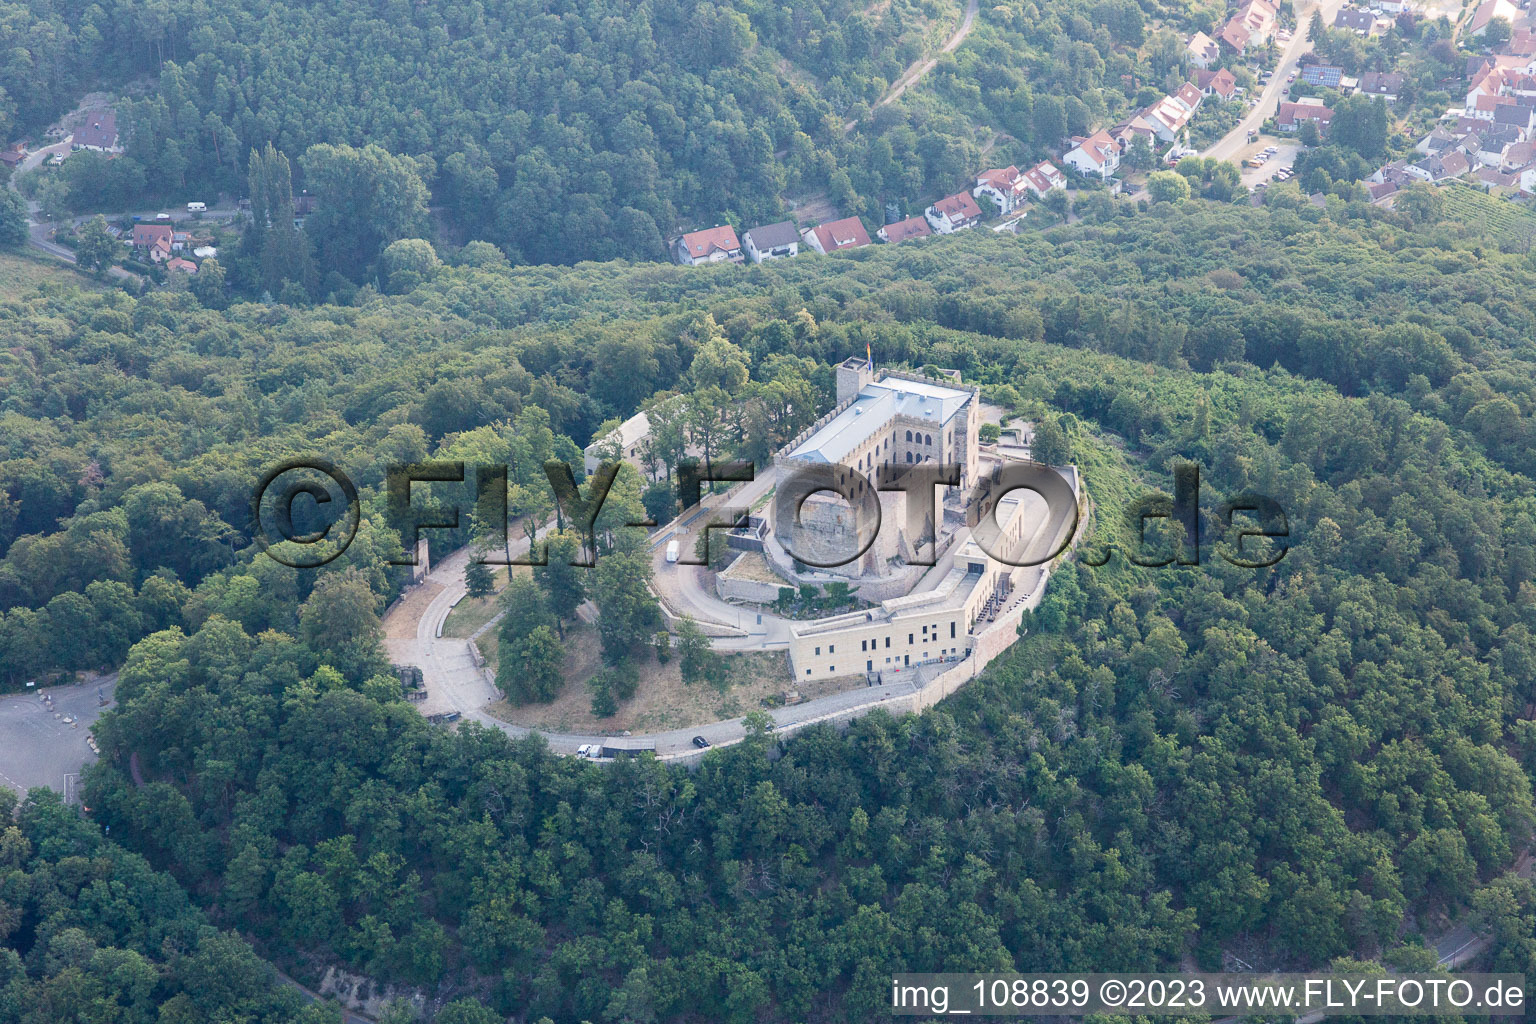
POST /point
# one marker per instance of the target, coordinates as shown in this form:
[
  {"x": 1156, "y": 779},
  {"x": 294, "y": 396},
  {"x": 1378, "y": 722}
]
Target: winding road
[
  {"x": 40, "y": 233},
  {"x": 456, "y": 682}
]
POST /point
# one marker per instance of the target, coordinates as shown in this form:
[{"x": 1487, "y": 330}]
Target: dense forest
[
  {"x": 1327, "y": 758},
  {"x": 90, "y": 932},
  {"x": 563, "y": 132}
]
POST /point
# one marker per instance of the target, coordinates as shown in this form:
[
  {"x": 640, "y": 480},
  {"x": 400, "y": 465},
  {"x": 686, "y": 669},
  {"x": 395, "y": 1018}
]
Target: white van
[
  {"x": 672, "y": 550},
  {"x": 197, "y": 207}
]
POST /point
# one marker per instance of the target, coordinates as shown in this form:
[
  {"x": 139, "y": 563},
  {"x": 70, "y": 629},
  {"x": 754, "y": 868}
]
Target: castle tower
[{"x": 852, "y": 374}]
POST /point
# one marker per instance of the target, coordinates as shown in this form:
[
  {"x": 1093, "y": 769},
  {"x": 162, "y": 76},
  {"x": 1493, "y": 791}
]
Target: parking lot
[
  {"x": 39, "y": 743},
  {"x": 1281, "y": 157}
]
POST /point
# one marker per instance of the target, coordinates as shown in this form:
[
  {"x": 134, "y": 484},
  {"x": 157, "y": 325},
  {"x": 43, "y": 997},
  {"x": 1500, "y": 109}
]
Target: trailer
[{"x": 624, "y": 748}]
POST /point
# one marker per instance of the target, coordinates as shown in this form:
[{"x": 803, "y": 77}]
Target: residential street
[
  {"x": 40, "y": 233},
  {"x": 1231, "y": 145}
]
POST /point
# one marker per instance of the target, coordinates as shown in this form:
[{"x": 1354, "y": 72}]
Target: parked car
[{"x": 700, "y": 742}]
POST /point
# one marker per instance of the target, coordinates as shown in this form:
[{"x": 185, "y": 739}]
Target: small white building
[
  {"x": 772, "y": 241},
  {"x": 628, "y": 440},
  {"x": 836, "y": 235},
  {"x": 901, "y": 230},
  {"x": 1097, "y": 156},
  {"x": 1202, "y": 51},
  {"x": 97, "y": 133},
  {"x": 1044, "y": 177},
  {"x": 953, "y": 213},
  {"x": 1004, "y": 186},
  {"x": 712, "y": 245}
]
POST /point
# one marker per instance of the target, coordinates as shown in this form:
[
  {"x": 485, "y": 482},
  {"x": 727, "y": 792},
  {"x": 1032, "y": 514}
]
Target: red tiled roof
[
  {"x": 149, "y": 234},
  {"x": 847, "y": 233},
  {"x": 702, "y": 243},
  {"x": 1097, "y": 146},
  {"x": 99, "y": 129},
  {"x": 912, "y": 227},
  {"x": 959, "y": 206},
  {"x": 1003, "y": 179},
  {"x": 1290, "y": 113}
]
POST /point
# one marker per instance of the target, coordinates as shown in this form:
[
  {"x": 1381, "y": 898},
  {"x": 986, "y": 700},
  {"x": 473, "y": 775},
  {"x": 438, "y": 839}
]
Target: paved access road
[
  {"x": 37, "y": 746},
  {"x": 1231, "y": 145},
  {"x": 40, "y": 233}
]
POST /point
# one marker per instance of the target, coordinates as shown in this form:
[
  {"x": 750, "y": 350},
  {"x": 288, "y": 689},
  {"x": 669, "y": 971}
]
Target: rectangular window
[
  {"x": 818, "y": 652},
  {"x": 887, "y": 642},
  {"x": 909, "y": 638},
  {"x": 861, "y": 645},
  {"x": 831, "y": 648},
  {"x": 951, "y": 630}
]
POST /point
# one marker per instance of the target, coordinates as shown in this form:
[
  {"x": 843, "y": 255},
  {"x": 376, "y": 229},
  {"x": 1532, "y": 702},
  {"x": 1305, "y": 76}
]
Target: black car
[{"x": 700, "y": 742}]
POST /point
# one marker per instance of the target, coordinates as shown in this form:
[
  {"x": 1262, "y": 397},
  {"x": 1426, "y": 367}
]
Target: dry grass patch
[{"x": 662, "y": 701}]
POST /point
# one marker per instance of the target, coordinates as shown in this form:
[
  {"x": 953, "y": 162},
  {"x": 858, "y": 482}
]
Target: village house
[
  {"x": 1097, "y": 155},
  {"x": 1324, "y": 76},
  {"x": 627, "y": 441},
  {"x": 1009, "y": 186},
  {"x": 1494, "y": 143},
  {"x": 847, "y": 233},
  {"x": 1043, "y": 178},
  {"x": 1202, "y": 50},
  {"x": 953, "y": 213},
  {"x": 1439, "y": 139},
  {"x": 97, "y": 133},
  {"x": 772, "y": 241},
  {"x": 712, "y": 245},
  {"x": 153, "y": 241},
  {"x": 1494, "y": 180},
  {"x": 1220, "y": 84},
  {"x": 182, "y": 265},
  {"x": 1126, "y": 133},
  {"x": 1251, "y": 26},
  {"x": 901, "y": 230},
  {"x": 1363, "y": 23},
  {"x": 1395, "y": 172},
  {"x": 1519, "y": 116},
  {"x": 1005, "y": 186},
  {"x": 1381, "y": 191},
  {"x": 14, "y": 154},
  {"x": 1487, "y": 11},
  {"x": 1441, "y": 167},
  {"x": 1518, "y": 156},
  {"x": 1386, "y": 84},
  {"x": 1290, "y": 116},
  {"x": 1168, "y": 118},
  {"x": 1522, "y": 43}
]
